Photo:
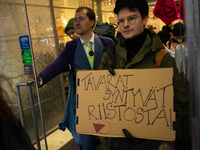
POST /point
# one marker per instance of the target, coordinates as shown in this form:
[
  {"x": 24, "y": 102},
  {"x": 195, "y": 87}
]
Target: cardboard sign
[{"x": 139, "y": 100}]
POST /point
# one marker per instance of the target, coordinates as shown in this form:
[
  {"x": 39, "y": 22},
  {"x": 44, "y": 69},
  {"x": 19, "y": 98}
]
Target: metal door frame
[
  {"x": 193, "y": 42},
  {"x": 35, "y": 74},
  {"x": 34, "y": 67}
]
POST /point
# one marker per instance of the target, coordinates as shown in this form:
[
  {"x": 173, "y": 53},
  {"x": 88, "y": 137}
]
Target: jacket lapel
[
  {"x": 98, "y": 53},
  {"x": 81, "y": 54}
]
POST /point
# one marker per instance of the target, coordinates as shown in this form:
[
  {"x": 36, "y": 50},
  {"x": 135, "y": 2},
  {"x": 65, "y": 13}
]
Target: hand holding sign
[{"x": 130, "y": 139}]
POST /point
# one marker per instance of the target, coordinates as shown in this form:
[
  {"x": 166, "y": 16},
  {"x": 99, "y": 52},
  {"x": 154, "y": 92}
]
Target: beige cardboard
[{"x": 139, "y": 100}]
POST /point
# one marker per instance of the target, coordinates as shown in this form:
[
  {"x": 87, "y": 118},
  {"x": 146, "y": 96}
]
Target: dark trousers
[{"x": 88, "y": 142}]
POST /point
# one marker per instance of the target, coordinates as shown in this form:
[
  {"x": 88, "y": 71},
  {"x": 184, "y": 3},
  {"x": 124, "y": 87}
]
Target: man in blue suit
[{"x": 75, "y": 57}]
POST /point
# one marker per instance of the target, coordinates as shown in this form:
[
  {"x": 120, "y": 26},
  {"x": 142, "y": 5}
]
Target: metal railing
[{"x": 29, "y": 84}]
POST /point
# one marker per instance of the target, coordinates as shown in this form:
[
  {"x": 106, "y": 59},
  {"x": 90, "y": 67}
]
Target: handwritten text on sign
[{"x": 139, "y": 100}]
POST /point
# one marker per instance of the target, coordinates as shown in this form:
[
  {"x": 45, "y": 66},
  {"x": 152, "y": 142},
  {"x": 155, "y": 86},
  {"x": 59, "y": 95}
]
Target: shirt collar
[{"x": 91, "y": 40}]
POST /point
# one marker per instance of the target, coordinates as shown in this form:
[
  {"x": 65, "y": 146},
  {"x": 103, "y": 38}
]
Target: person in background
[
  {"x": 105, "y": 29},
  {"x": 177, "y": 43},
  {"x": 70, "y": 31},
  {"x": 165, "y": 33},
  {"x": 164, "y": 36},
  {"x": 77, "y": 55},
  {"x": 176, "y": 46},
  {"x": 12, "y": 134},
  {"x": 134, "y": 51},
  {"x": 178, "y": 37}
]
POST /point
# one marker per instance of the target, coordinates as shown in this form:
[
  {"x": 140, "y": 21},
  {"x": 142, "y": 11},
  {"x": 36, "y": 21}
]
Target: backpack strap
[
  {"x": 111, "y": 59},
  {"x": 159, "y": 58}
]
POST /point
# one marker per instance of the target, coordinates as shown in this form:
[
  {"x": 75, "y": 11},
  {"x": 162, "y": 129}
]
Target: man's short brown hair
[{"x": 90, "y": 13}]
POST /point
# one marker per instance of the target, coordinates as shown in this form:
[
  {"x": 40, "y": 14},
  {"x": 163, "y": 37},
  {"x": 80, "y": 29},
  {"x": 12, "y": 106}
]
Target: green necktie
[{"x": 91, "y": 54}]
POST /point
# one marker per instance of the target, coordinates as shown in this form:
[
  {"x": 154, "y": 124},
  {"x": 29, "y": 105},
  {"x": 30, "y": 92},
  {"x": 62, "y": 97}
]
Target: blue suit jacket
[
  {"x": 72, "y": 58},
  {"x": 65, "y": 61},
  {"x": 80, "y": 58}
]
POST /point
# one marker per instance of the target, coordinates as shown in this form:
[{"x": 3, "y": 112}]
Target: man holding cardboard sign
[{"x": 141, "y": 48}]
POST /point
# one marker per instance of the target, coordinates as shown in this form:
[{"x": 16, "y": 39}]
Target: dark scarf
[{"x": 134, "y": 45}]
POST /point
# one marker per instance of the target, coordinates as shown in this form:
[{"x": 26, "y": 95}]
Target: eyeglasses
[{"x": 131, "y": 20}]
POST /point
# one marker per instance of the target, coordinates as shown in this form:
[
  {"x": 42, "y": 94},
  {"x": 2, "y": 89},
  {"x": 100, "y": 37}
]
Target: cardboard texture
[{"x": 139, "y": 100}]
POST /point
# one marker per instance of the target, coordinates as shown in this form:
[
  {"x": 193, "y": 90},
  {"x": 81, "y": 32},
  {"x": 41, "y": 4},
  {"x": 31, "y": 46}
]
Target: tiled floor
[
  {"x": 56, "y": 140},
  {"x": 63, "y": 140}
]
